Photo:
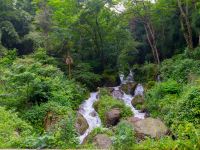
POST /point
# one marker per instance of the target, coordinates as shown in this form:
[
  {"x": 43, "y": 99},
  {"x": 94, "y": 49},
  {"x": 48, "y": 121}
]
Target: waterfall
[
  {"x": 87, "y": 110},
  {"x": 129, "y": 78}
]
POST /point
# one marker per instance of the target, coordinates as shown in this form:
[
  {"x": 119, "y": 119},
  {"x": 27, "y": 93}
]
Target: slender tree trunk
[
  {"x": 152, "y": 40},
  {"x": 101, "y": 43},
  {"x": 185, "y": 22},
  {"x": 199, "y": 39},
  {"x": 150, "y": 43}
]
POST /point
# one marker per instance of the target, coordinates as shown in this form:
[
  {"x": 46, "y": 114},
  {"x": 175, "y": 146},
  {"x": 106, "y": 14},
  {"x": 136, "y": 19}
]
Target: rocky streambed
[
  {"x": 131, "y": 94},
  {"x": 88, "y": 118}
]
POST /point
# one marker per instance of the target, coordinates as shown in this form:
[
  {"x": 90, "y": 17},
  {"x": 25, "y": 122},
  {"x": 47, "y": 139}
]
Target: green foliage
[
  {"x": 162, "y": 97},
  {"x": 83, "y": 74},
  {"x": 37, "y": 114},
  {"x": 110, "y": 78},
  {"x": 96, "y": 131},
  {"x": 34, "y": 86},
  {"x": 195, "y": 54},
  {"x": 106, "y": 103},
  {"x": 188, "y": 138},
  {"x": 37, "y": 82},
  {"x": 13, "y": 130},
  {"x": 63, "y": 135},
  {"x": 167, "y": 101},
  {"x": 179, "y": 68},
  {"x": 145, "y": 73},
  {"x": 124, "y": 136}
]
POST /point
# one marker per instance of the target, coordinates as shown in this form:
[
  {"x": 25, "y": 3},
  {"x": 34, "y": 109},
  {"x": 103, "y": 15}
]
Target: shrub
[
  {"x": 83, "y": 74},
  {"x": 28, "y": 82},
  {"x": 124, "y": 136},
  {"x": 110, "y": 78},
  {"x": 63, "y": 135},
  {"x": 13, "y": 130},
  {"x": 36, "y": 115},
  {"x": 145, "y": 73},
  {"x": 162, "y": 97},
  {"x": 167, "y": 101},
  {"x": 179, "y": 68},
  {"x": 187, "y": 106},
  {"x": 195, "y": 54}
]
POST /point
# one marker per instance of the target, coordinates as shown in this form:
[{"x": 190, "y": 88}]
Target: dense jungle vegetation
[{"x": 53, "y": 53}]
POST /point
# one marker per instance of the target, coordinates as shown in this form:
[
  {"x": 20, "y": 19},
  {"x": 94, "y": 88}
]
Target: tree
[
  {"x": 142, "y": 14},
  {"x": 185, "y": 21}
]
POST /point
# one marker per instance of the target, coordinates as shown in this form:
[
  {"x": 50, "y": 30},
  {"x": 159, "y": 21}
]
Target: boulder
[
  {"x": 102, "y": 141},
  {"x": 81, "y": 124},
  {"x": 132, "y": 120},
  {"x": 117, "y": 94},
  {"x": 93, "y": 114},
  {"x": 112, "y": 117},
  {"x": 138, "y": 99},
  {"x": 129, "y": 88},
  {"x": 154, "y": 128}
]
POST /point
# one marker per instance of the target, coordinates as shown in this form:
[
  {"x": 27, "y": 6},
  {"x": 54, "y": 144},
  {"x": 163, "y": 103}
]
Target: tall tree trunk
[
  {"x": 184, "y": 19},
  {"x": 150, "y": 43},
  {"x": 152, "y": 40}
]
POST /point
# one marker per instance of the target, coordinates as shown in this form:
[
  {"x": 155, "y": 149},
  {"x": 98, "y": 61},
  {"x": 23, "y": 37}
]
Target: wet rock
[
  {"x": 117, "y": 94},
  {"x": 81, "y": 124},
  {"x": 147, "y": 114},
  {"x": 154, "y": 128},
  {"x": 93, "y": 114},
  {"x": 129, "y": 88},
  {"x": 102, "y": 141},
  {"x": 144, "y": 110},
  {"x": 110, "y": 89},
  {"x": 138, "y": 99},
  {"x": 112, "y": 117}
]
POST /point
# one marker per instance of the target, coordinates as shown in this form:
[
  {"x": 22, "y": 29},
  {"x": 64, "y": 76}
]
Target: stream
[{"x": 89, "y": 113}]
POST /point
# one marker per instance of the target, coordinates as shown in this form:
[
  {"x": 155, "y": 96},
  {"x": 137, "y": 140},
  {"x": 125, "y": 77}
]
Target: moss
[
  {"x": 106, "y": 103},
  {"x": 129, "y": 88},
  {"x": 138, "y": 99}
]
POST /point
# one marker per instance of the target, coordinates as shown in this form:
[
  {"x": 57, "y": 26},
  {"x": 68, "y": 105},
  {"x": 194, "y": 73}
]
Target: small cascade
[
  {"x": 89, "y": 113},
  {"x": 86, "y": 109},
  {"x": 129, "y": 78},
  {"x": 128, "y": 98},
  {"x": 158, "y": 78}
]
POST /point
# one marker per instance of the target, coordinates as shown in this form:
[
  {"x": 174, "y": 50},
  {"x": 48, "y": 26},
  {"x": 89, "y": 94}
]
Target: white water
[
  {"x": 128, "y": 98},
  {"x": 89, "y": 113}
]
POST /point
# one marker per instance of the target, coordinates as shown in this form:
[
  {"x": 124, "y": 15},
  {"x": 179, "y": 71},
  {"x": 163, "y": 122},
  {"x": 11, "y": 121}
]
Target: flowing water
[
  {"x": 89, "y": 113},
  {"x": 128, "y": 98}
]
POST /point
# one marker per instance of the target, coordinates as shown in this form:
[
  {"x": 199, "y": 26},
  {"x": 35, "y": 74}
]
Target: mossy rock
[
  {"x": 129, "y": 88},
  {"x": 151, "y": 127},
  {"x": 81, "y": 124},
  {"x": 113, "y": 117},
  {"x": 105, "y": 91},
  {"x": 102, "y": 141},
  {"x": 137, "y": 100}
]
